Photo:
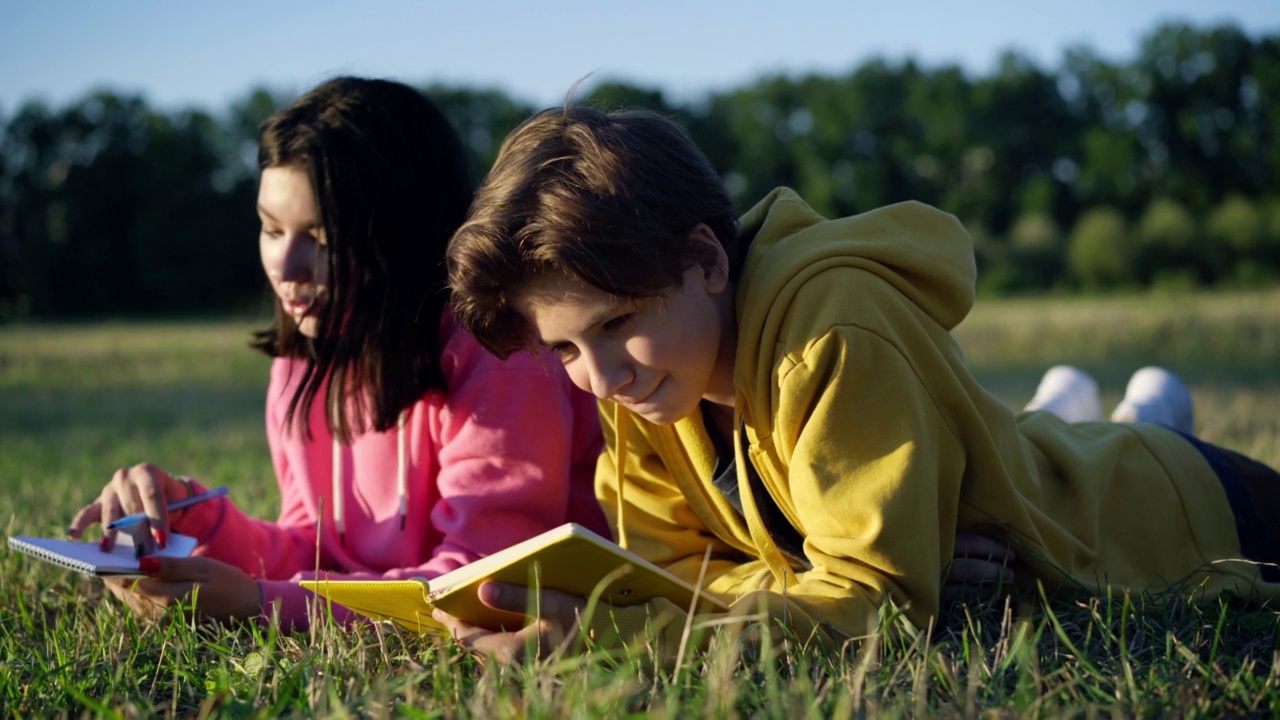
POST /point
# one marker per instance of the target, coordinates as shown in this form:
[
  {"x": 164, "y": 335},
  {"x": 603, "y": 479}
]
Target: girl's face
[
  {"x": 292, "y": 244},
  {"x": 657, "y": 356}
]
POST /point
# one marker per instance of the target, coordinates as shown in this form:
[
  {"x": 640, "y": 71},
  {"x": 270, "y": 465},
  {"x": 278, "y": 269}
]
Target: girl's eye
[
  {"x": 562, "y": 349},
  {"x": 271, "y": 232}
]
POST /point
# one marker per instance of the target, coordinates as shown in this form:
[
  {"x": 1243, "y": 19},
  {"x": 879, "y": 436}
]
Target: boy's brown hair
[{"x": 609, "y": 199}]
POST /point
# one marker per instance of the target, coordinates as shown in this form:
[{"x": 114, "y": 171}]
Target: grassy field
[{"x": 78, "y": 401}]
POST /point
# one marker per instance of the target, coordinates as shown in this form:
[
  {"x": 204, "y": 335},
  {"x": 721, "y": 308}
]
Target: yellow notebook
[{"x": 569, "y": 558}]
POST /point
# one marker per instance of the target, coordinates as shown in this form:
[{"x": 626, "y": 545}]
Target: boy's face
[{"x": 656, "y": 356}]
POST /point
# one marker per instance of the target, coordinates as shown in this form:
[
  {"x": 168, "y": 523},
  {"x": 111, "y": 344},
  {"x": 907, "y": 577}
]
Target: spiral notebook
[{"x": 88, "y": 558}]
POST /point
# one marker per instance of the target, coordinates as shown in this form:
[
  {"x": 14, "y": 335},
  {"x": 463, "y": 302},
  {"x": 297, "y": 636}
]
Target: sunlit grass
[{"x": 76, "y": 402}]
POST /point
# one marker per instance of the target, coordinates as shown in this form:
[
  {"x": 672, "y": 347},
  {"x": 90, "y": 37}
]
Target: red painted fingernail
[
  {"x": 161, "y": 538},
  {"x": 105, "y": 544},
  {"x": 73, "y": 533},
  {"x": 149, "y": 565}
]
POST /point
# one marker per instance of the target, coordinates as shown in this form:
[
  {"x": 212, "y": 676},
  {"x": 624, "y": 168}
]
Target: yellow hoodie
[{"x": 876, "y": 443}]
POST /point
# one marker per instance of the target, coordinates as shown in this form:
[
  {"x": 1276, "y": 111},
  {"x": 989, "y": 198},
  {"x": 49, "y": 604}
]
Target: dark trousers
[{"x": 1253, "y": 491}]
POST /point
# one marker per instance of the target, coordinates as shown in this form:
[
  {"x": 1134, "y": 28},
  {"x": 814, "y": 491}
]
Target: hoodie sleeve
[
  {"x": 263, "y": 548},
  {"x": 873, "y": 479},
  {"x": 270, "y": 551}
]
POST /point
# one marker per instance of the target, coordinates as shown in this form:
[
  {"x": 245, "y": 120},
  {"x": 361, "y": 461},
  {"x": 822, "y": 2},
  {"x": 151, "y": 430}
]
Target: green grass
[{"x": 78, "y": 401}]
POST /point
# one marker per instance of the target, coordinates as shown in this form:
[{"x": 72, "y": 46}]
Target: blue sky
[{"x": 180, "y": 54}]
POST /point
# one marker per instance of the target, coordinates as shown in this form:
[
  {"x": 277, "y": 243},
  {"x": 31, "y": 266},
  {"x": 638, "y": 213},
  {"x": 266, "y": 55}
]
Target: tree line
[{"x": 1159, "y": 170}]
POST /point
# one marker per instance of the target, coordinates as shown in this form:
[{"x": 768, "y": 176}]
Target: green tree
[
  {"x": 615, "y": 94},
  {"x": 1168, "y": 245},
  {"x": 1098, "y": 251},
  {"x": 482, "y": 118},
  {"x": 1237, "y": 228},
  {"x": 242, "y": 124},
  {"x": 1199, "y": 114},
  {"x": 1037, "y": 250},
  {"x": 1020, "y": 127},
  {"x": 112, "y": 207}
]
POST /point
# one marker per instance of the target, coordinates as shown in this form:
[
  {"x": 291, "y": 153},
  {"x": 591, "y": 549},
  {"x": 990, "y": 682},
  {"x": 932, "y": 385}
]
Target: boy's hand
[
  {"x": 979, "y": 569},
  {"x": 555, "y": 627},
  {"x": 222, "y": 592}
]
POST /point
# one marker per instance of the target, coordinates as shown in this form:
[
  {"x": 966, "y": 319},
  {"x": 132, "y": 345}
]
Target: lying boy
[{"x": 785, "y": 389}]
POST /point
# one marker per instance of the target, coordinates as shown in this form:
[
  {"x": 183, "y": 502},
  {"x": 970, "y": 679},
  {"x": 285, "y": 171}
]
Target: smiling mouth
[{"x": 632, "y": 402}]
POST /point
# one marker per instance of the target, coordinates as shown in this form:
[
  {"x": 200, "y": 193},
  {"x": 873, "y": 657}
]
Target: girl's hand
[
  {"x": 220, "y": 591},
  {"x": 979, "y": 570},
  {"x": 556, "y": 626},
  {"x": 141, "y": 488}
]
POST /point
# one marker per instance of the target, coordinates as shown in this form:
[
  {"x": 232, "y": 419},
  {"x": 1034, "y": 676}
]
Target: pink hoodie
[{"x": 508, "y": 452}]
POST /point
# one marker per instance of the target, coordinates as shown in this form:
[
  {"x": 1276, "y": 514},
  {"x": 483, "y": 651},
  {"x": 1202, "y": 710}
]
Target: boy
[{"x": 786, "y": 390}]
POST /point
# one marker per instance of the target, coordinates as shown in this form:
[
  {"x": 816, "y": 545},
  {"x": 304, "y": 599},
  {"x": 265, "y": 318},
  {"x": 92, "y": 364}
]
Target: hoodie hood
[{"x": 922, "y": 252}]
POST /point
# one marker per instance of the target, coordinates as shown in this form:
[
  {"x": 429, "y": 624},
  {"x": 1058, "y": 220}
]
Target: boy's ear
[{"x": 711, "y": 256}]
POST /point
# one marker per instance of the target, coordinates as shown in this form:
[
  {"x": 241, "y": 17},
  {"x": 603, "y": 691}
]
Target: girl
[{"x": 400, "y": 447}]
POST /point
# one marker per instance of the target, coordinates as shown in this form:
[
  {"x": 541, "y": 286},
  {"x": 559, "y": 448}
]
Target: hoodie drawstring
[
  {"x": 621, "y": 421},
  {"x": 402, "y": 480},
  {"x": 764, "y": 543},
  {"x": 402, "y": 469},
  {"x": 335, "y": 476}
]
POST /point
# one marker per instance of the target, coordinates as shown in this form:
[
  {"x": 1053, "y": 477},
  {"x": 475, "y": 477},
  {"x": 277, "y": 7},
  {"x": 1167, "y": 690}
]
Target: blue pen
[{"x": 134, "y": 519}]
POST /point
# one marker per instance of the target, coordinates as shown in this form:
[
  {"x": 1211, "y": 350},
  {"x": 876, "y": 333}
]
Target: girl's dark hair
[{"x": 391, "y": 184}]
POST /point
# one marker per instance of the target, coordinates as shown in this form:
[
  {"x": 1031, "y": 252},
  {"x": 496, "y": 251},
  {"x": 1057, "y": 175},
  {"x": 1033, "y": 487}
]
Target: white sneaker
[
  {"x": 1068, "y": 392},
  {"x": 1155, "y": 395}
]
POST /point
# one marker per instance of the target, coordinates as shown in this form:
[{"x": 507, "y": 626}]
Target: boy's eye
[{"x": 618, "y": 322}]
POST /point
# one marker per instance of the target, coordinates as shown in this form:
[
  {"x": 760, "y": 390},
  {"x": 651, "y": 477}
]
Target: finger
[
  {"x": 451, "y": 624},
  {"x": 505, "y": 647},
  {"x": 973, "y": 591},
  {"x": 150, "y": 592},
  {"x": 110, "y": 509},
  {"x": 510, "y": 647},
  {"x": 967, "y": 571},
  {"x": 171, "y": 569},
  {"x": 152, "y": 483},
  {"x": 505, "y": 596},
  {"x": 972, "y": 545},
  {"x": 141, "y": 537},
  {"x": 88, "y": 515},
  {"x": 971, "y": 594},
  {"x": 464, "y": 633}
]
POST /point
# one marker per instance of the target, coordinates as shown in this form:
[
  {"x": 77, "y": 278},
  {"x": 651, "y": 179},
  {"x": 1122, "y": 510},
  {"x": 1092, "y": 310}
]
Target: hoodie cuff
[
  {"x": 201, "y": 520},
  {"x": 658, "y": 623},
  {"x": 296, "y": 606},
  {"x": 286, "y": 602}
]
